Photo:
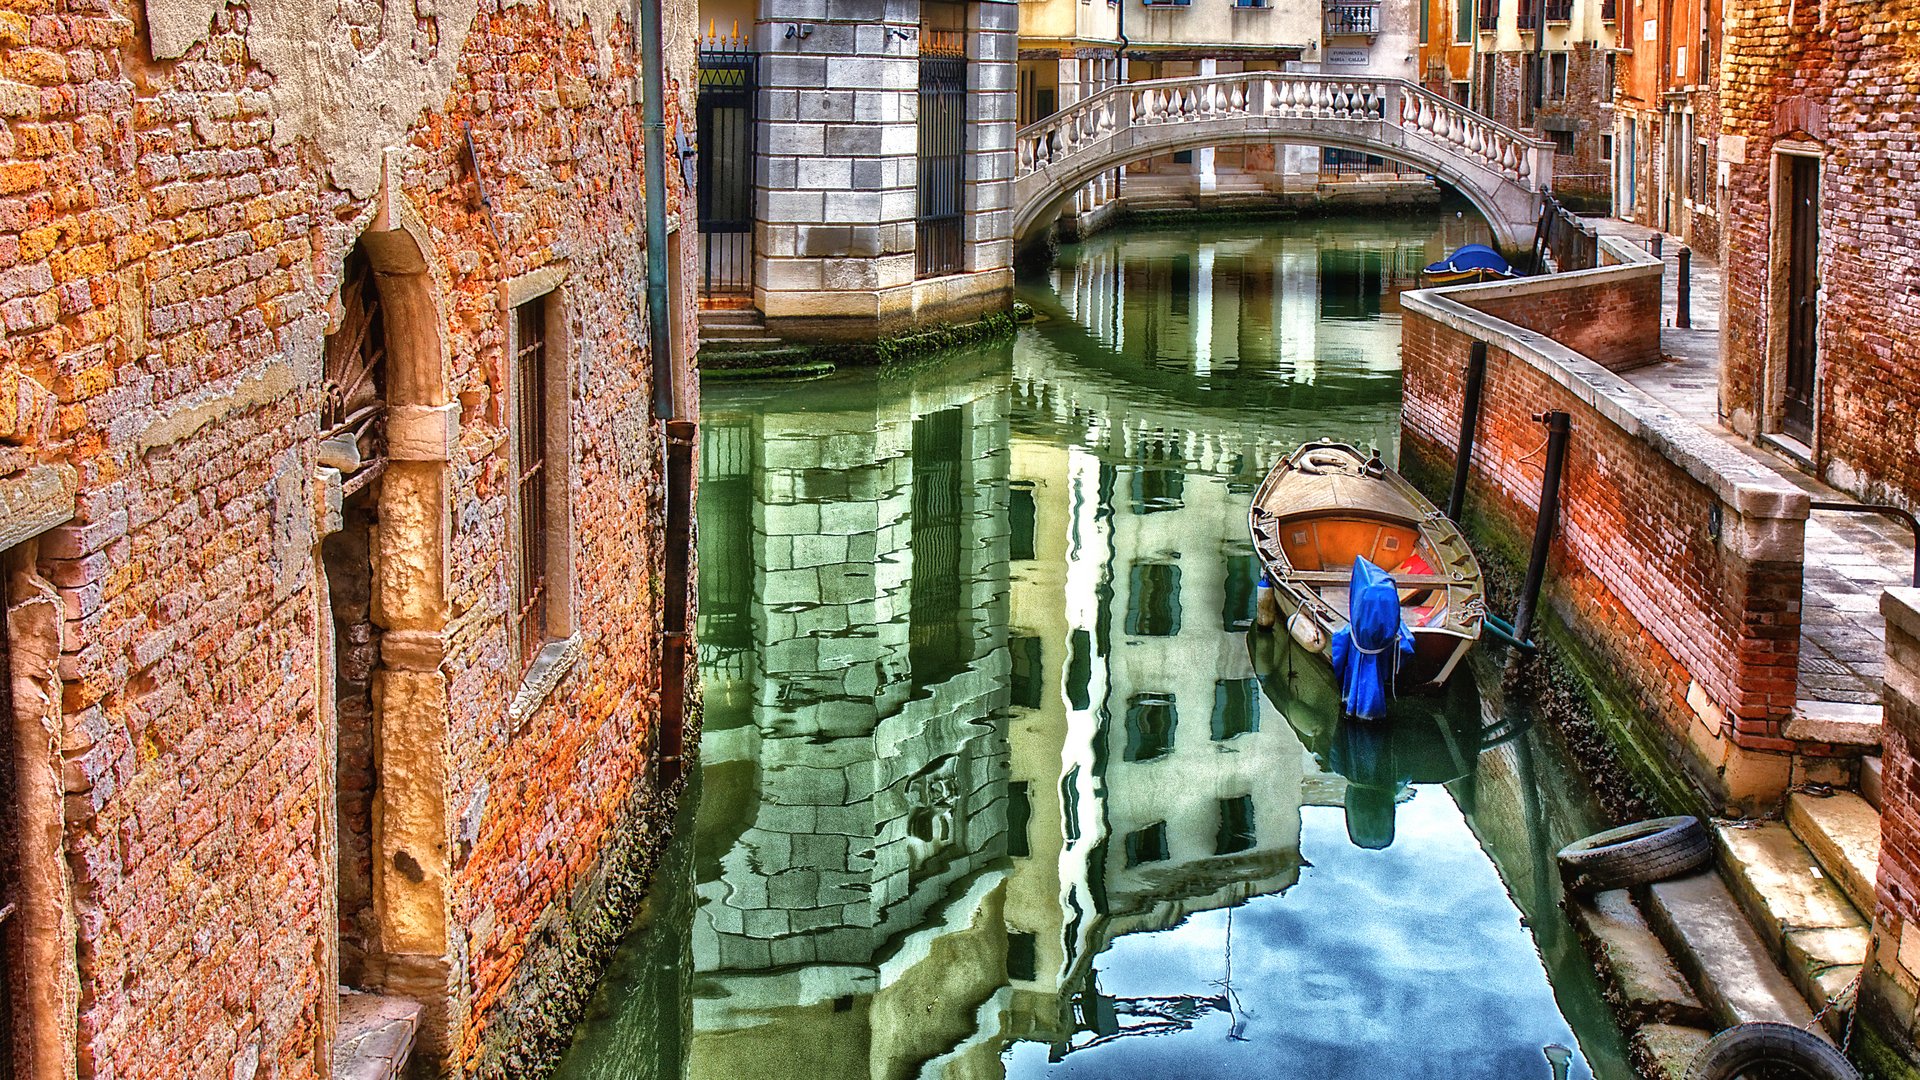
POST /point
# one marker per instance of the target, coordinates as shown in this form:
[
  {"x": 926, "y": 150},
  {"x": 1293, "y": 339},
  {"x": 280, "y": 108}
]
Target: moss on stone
[
  {"x": 1877, "y": 1057},
  {"x": 575, "y": 939},
  {"x": 812, "y": 360}
]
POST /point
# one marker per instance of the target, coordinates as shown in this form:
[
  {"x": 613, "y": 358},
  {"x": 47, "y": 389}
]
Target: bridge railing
[{"x": 1447, "y": 127}]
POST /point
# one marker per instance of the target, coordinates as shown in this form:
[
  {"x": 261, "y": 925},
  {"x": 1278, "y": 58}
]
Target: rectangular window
[
  {"x": 1250, "y": 3},
  {"x": 1023, "y": 956},
  {"x": 1236, "y": 826},
  {"x": 1147, "y": 845},
  {"x": 1241, "y": 592},
  {"x": 539, "y": 483},
  {"x": 1166, "y": 3},
  {"x": 1562, "y": 142},
  {"x": 1028, "y": 675},
  {"x": 1153, "y": 600},
  {"x": 1426, "y": 19},
  {"x": 1557, "y": 77},
  {"x": 1160, "y": 480},
  {"x": 1019, "y": 819},
  {"x": 1702, "y": 165},
  {"x": 1462, "y": 21},
  {"x": 1236, "y": 708},
  {"x": 1606, "y": 148},
  {"x": 1020, "y": 515},
  {"x": 940, "y": 197},
  {"x": 1150, "y": 723}
]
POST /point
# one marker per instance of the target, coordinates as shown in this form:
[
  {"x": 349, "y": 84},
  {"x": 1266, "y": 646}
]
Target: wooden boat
[
  {"x": 1327, "y": 504},
  {"x": 1471, "y": 263}
]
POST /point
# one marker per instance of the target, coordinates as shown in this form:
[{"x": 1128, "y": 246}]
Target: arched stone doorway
[{"x": 386, "y": 430}]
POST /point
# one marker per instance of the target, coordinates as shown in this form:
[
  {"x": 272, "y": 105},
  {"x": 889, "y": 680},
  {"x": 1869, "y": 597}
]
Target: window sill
[{"x": 555, "y": 659}]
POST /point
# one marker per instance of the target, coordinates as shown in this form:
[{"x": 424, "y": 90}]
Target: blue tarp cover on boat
[
  {"x": 1367, "y": 652},
  {"x": 1471, "y": 257}
]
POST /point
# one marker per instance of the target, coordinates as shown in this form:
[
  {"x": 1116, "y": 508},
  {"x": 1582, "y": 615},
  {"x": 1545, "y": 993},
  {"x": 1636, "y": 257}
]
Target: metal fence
[
  {"x": 1573, "y": 243},
  {"x": 724, "y": 189},
  {"x": 941, "y": 201}
]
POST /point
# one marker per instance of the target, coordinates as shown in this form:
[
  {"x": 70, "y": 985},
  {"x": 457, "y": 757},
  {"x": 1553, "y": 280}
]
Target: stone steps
[
  {"x": 1808, "y": 923},
  {"x": 1731, "y": 968},
  {"x": 1842, "y": 830},
  {"x": 1646, "y": 985},
  {"x": 376, "y": 1036}
]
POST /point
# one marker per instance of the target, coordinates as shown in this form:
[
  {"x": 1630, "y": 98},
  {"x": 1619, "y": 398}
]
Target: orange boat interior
[{"x": 1322, "y": 550}]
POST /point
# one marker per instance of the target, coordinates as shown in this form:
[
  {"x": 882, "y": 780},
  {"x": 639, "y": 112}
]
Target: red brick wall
[
  {"x": 1847, "y": 86},
  {"x": 1635, "y": 571},
  {"x": 157, "y": 248},
  {"x": 1614, "y": 322},
  {"x": 1886, "y": 996},
  {"x": 1583, "y": 173}
]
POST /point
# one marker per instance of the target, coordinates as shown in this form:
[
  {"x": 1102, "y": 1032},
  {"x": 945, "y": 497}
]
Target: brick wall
[
  {"x": 1890, "y": 988},
  {"x": 1583, "y": 173},
  {"x": 178, "y": 192},
  {"x": 1836, "y": 77},
  {"x": 1674, "y": 561},
  {"x": 1604, "y": 320}
]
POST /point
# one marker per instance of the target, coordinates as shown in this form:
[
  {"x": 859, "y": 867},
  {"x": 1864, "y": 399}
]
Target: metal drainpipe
[{"x": 653, "y": 92}]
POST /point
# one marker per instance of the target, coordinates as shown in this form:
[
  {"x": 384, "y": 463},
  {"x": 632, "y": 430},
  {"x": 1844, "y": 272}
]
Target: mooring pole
[
  {"x": 1469, "y": 421},
  {"x": 1654, "y": 243},
  {"x": 1549, "y": 516},
  {"x": 1683, "y": 313}
]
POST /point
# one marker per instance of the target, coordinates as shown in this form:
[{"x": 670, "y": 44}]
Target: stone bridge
[{"x": 1501, "y": 171}]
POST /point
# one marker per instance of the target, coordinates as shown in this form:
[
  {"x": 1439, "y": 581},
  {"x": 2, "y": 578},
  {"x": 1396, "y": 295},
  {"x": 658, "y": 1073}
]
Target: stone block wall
[
  {"x": 1676, "y": 561},
  {"x": 1837, "y": 80},
  {"x": 182, "y": 185},
  {"x": 837, "y": 169}
]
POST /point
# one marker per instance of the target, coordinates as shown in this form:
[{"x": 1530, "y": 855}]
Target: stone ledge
[
  {"x": 376, "y": 1036},
  {"x": 1747, "y": 486},
  {"x": 35, "y": 500},
  {"x": 1835, "y": 723},
  {"x": 553, "y": 663}
]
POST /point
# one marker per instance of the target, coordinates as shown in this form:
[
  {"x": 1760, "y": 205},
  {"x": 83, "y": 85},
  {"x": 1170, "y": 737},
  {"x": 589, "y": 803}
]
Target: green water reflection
[{"x": 995, "y": 780}]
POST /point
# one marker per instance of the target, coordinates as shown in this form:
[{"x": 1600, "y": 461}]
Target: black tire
[
  {"x": 1637, "y": 854},
  {"x": 1769, "y": 1052}
]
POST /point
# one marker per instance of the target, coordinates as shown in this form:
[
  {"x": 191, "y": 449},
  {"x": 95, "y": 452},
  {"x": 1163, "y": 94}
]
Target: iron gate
[
  {"x": 725, "y": 116},
  {"x": 943, "y": 148}
]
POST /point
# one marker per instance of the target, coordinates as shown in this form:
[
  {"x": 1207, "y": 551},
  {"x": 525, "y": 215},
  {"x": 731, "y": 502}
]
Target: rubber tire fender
[
  {"x": 1637, "y": 854},
  {"x": 1740, "y": 1048}
]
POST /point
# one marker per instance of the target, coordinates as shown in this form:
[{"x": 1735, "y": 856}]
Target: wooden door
[{"x": 1803, "y": 289}]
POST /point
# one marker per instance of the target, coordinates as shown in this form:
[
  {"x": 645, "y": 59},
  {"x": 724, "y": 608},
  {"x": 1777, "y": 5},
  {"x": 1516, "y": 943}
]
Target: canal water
[{"x": 997, "y": 780}]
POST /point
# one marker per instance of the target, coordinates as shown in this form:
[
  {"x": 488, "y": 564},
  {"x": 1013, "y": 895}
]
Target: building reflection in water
[{"x": 980, "y": 698}]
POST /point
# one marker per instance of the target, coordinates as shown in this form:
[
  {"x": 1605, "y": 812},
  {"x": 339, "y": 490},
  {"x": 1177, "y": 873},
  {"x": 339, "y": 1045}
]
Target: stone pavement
[{"x": 1850, "y": 558}]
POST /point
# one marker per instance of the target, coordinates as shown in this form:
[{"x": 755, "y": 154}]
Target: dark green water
[{"x": 995, "y": 780}]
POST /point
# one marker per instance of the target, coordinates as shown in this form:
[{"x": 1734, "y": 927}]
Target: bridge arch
[{"x": 1501, "y": 171}]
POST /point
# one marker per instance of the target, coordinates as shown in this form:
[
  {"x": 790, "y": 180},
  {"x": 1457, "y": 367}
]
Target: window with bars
[
  {"x": 941, "y": 201},
  {"x": 538, "y": 592}
]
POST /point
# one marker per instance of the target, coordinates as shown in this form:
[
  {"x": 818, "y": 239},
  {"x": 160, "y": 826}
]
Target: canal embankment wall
[{"x": 1677, "y": 563}]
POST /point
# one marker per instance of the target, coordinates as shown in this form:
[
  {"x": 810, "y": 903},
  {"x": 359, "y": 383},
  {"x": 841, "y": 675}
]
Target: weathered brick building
[
  {"x": 1817, "y": 113},
  {"x": 1666, "y": 119},
  {"x": 1560, "y": 88},
  {"x": 341, "y": 553}
]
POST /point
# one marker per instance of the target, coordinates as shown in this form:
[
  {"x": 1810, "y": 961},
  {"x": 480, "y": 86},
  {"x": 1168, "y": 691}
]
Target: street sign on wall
[{"x": 1347, "y": 57}]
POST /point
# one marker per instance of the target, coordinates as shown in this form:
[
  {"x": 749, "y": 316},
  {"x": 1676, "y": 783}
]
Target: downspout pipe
[{"x": 653, "y": 143}]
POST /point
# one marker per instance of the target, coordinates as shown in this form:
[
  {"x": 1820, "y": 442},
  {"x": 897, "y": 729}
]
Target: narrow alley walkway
[{"x": 1850, "y": 558}]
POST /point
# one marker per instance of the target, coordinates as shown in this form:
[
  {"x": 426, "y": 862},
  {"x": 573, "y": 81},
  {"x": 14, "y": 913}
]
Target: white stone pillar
[{"x": 1203, "y": 157}]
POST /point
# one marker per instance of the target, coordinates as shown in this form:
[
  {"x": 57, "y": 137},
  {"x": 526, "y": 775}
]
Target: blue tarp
[
  {"x": 1367, "y": 652},
  {"x": 1471, "y": 257}
]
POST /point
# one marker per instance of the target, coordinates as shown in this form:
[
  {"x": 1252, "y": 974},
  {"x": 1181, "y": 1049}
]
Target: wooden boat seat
[{"x": 1343, "y": 577}]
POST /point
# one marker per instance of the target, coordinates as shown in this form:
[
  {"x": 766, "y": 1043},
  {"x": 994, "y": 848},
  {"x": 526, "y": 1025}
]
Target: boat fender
[
  {"x": 1307, "y": 632},
  {"x": 1266, "y": 610}
]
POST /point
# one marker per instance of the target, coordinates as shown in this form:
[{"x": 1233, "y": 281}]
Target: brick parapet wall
[
  {"x": 1838, "y": 78},
  {"x": 1890, "y": 989},
  {"x": 1677, "y": 559},
  {"x": 171, "y": 244}
]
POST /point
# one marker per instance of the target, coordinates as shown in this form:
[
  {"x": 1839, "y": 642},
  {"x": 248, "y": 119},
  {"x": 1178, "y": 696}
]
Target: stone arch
[
  {"x": 384, "y": 550},
  {"x": 1066, "y": 177}
]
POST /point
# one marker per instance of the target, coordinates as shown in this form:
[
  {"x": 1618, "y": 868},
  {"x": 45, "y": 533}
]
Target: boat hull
[{"x": 1326, "y": 505}]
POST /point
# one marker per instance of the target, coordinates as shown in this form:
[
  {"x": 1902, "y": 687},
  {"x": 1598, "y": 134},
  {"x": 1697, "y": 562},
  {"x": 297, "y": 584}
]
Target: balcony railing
[
  {"x": 1559, "y": 10},
  {"x": 1489, "y": 15},
  {"x": 1610, "y": 10},
  {"x": 1353, "y": 19}
]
